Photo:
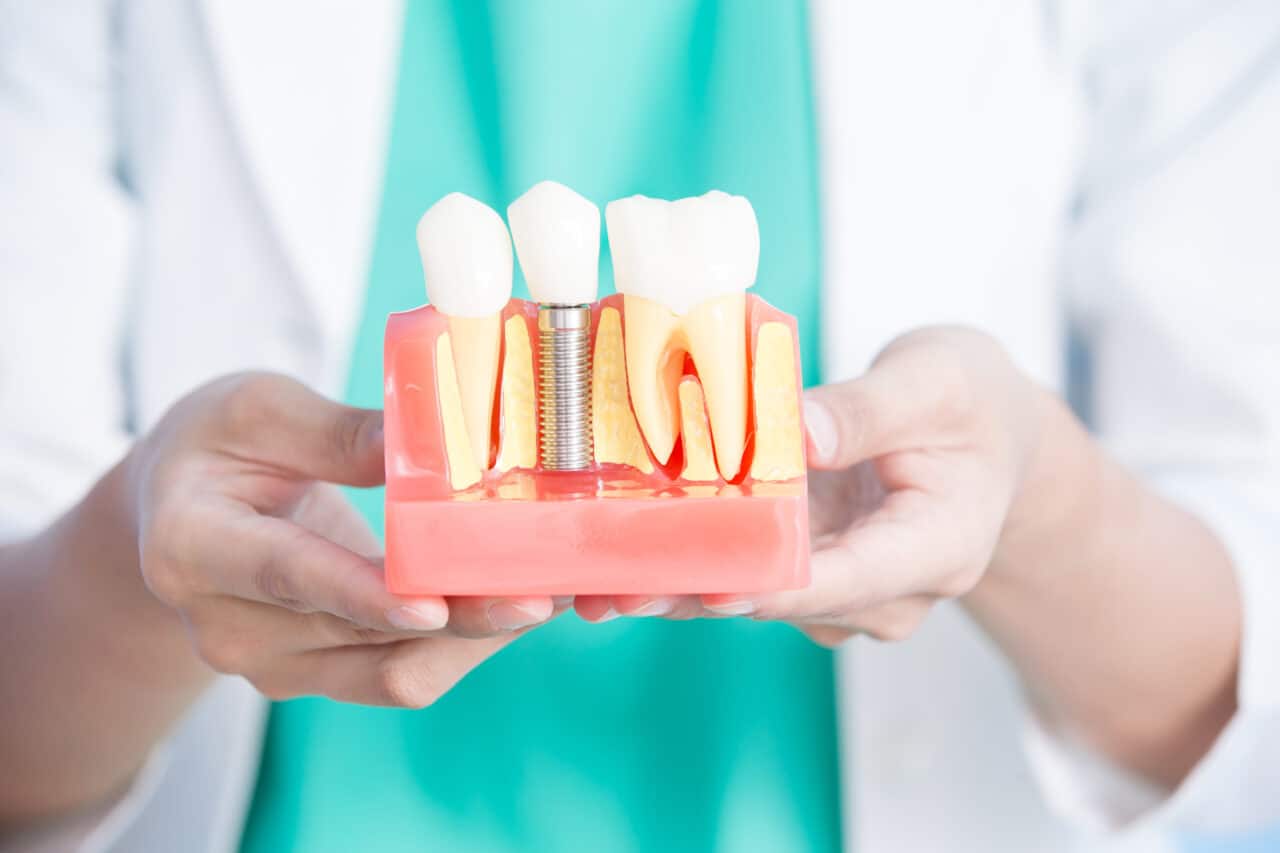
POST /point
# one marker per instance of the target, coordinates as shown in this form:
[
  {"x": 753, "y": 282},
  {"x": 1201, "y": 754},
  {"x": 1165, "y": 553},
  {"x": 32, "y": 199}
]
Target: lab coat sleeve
[
  {"x": 65, "y": 226},
  {"x": 66, "y": 219},
  {"x": 1175, "y": 268}
]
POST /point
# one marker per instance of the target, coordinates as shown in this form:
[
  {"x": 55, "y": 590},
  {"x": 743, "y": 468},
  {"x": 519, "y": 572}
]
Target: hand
[
  {"x": 273, "y": 572},
  {"x": 916, "y": 469}
]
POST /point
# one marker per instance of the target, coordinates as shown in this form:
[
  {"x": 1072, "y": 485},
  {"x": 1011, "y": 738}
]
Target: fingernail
[
  {"x": 821, "y": 426},
  {"x": 657, "y": 607},
  {"x": 418, "y": 617},
  {"x": 606, "y": 616},
  {"x": 732, "y": 608},
  {"x": 511, "y": 617}
]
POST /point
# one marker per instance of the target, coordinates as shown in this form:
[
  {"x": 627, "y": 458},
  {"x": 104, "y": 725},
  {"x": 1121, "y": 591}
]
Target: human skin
[
  {"x": 943, "y": 472},
  {"x": 216, "y": 545}
]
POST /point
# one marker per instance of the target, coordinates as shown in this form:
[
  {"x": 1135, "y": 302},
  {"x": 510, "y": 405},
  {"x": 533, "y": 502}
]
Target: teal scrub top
[{"x": 633, "y": 735}]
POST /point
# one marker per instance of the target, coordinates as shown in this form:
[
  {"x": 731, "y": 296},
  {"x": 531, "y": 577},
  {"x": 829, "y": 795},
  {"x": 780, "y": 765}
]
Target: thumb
[
  {"x": 889, "y": 408},
  {"x": 280, "y": 421}
]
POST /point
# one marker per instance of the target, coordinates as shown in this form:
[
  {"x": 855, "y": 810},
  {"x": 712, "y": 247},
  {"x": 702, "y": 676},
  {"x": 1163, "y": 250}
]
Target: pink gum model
[{"x": 611, "y": 529}]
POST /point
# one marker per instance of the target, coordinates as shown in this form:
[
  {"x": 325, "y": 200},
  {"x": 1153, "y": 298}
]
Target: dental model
[{"x": 661, "y": 450}]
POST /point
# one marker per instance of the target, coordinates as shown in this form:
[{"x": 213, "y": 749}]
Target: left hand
[{"x": 917, "y": 469}]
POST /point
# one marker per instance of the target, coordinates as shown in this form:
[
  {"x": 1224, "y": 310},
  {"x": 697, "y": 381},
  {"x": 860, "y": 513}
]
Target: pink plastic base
[{"x": 612, "y": 530}]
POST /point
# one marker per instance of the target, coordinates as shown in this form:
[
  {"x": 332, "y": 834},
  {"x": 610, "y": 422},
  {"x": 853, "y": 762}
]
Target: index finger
[{"x": 270, "y": 560}]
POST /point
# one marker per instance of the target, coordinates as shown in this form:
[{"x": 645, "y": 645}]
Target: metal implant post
[{"x": 564, "y": 387}]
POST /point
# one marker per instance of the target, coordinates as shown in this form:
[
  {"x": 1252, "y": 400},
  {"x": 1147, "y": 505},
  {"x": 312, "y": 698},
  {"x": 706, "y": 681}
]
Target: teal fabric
[{"x": 636, "y": 735}]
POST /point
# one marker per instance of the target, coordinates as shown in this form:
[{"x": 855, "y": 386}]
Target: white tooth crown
[
  {"x": 466, "y": 257},
  {"x": 557, "y": 237},
  {"x": 683, "y": 253}
]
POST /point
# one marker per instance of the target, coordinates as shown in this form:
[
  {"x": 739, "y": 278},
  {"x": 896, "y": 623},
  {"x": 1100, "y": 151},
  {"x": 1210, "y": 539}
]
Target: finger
[
  {"x": 483, "y": 617},
  {"x": 273, "y": 561},
  {"x": 282, "y": 422},
  {"x": 880, "y": 559},
  {"x": 409, "y": 674},
  {"x": 237, "y": 637},
  {"x": 602, "y": 608},
  {"x": 893, "y": 406}
]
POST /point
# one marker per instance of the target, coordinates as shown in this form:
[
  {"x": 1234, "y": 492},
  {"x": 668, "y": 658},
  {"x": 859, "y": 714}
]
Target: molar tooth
[
  {"x": 466, "y": 261},
  {"x": 683, "y": 268}
]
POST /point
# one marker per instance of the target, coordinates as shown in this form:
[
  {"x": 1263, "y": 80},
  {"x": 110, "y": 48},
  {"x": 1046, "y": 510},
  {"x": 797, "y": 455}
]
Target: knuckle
[
  {"x": 402, "y": 685},
  {"x": 348, "y": 428},
  {"x": 336, "y": 631},
  {"x": 274, "y": 585}
]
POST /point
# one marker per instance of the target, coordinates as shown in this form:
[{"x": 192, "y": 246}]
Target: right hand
[{"x": 274, "y": 572}]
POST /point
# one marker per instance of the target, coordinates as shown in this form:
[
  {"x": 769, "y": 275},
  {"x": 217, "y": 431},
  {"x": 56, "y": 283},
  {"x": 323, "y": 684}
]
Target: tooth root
[
  {"x": 477, "y": 344},
  {"x": 699, "y": 461},
  {"x": 463, "y": 472},
  {"x": 716, "y": 335},
  {"x": 614, "y": 431},
  {"x": 779, "y": 443},
  {"x": 518, "y": 447},
  {"x": 654, "y": 366}
]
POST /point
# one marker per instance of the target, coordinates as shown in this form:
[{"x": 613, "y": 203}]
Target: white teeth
[
  {"x": 682, "y": 253},
  {"x": 466, "y": 257},
  {"x": 557, "y": 237}
]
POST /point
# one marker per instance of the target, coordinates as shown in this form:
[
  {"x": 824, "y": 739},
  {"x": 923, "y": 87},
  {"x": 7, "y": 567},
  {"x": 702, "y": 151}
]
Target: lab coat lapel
[{"x": 309, "y": 90}]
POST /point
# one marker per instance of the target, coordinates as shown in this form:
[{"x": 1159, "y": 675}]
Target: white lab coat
[{"x": 189, "y": 188}]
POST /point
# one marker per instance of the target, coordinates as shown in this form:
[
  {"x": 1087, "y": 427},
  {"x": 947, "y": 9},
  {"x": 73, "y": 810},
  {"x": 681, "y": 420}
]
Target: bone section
[
  {"x": 695, "y": 434},
  {"x": 617, "y": 438},
  {"x": 518, "y": 444},
  {"x": 779, "y": 437},
  {"x": 467, "y": 264},
  {"x": 463, "y": 471},
  {"x": 683, "y": 268}
]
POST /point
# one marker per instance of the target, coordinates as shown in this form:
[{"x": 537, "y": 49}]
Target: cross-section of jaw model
[{"x": 649, "y": 442}]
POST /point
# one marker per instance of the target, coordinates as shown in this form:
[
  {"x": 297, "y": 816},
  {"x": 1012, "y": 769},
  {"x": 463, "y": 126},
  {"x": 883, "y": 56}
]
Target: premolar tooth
[
  {"x": 557, "y": 237},
  {"x": 683, "y": 268},
  {"x": 466, "y": 260}
]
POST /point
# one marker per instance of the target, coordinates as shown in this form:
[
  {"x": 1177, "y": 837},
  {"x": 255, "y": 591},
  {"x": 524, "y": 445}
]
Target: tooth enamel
[
  {"x": 557, "y": 237},
  {"x": 683, "y": 268},
  {"x": 466, "y": 261}
]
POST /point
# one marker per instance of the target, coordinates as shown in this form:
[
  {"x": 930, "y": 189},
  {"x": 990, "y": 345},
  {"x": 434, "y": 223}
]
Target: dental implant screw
[{"x": 564, "y": 387}]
